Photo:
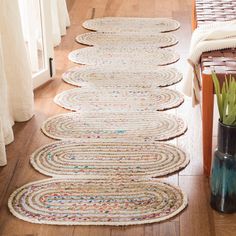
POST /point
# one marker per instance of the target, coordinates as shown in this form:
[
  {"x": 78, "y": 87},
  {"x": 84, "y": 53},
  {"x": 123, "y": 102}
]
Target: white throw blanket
[{"x": 210, "y": 37}]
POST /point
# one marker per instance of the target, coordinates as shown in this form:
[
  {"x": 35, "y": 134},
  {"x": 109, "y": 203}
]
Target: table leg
[
  {"x": 207, "y": 121},
  {"x": 194, "y": 20}
]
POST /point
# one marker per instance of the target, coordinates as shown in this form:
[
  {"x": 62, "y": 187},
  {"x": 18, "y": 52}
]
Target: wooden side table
[{"x": 223, "y": 62}]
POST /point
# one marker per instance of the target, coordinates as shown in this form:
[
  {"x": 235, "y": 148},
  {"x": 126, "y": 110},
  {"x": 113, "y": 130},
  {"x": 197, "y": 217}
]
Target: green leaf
[
  {"x": 217, "y": 91},
  {"x": 226, "y": 99}
]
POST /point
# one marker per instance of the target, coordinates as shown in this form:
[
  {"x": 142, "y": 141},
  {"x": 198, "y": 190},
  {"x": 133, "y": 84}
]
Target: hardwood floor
[{"x": 198, "y": 219}]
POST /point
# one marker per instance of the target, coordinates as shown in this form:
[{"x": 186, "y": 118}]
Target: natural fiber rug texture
[
  {"x": 103, "y": 38},
  {"x": 115, "y": 127},
  {"x": 96, "y": 202},
  {"x": 106, "y": 77},
  {"x": 103, "y": 168},
  {"x": 131, "y": 24},
  {"x": 108, "y": 160},
  {"x": 124, "y": 55},
  {"x": 119, "y": 100}
]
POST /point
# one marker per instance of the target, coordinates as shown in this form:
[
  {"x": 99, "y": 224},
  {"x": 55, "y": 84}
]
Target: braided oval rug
[
  {"x": 115, "y": 127},
  {"x": 96, "y": 202},
  {"x": 119, "y": 100},
  {"x": 104, "y": 38},
  {"x": 132, "y": 24},
  {"x": 108, "y": 160},
  {"x": 124, "y": 55},
  {"x": 104, "y": 77}
]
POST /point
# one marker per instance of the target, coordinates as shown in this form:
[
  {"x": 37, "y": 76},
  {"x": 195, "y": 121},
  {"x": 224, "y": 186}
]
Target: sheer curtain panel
[
  {"x": 60, "y": 20},
  {"x": 32, "y": 32},
  {"x": 16, "y": 93}
]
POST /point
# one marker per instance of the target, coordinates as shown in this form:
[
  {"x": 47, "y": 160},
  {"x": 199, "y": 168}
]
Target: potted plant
[{"x": 223, "y": 171}]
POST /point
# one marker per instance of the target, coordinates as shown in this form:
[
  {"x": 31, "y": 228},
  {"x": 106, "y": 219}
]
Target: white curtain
[
  {"x": 32, "y": 30},
  {"x": 30, "y": 11},
  {"x": 5, "y": 123},
  {"x": 60, "y": 20},
  {"x": 17, "y": 62},
  {"x": 16, "y": 93}
]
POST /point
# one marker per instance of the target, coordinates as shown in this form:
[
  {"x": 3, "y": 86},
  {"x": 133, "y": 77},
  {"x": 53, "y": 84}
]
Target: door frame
[{"x": 48, "y": 71}]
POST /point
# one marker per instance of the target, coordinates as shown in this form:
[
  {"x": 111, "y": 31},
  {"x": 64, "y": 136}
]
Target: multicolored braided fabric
[
  {"x": 108, "y": 160},
  {"x": 130, "y": 78},
  {"x": 132, "y": 25},
  {"x": 102, "y": 38},
  {"x": 124, "y": 55},
  {"x": 96, "y": 202},
  {"x": 115, "y": 127},
  {"x": 119, "y": 100}
]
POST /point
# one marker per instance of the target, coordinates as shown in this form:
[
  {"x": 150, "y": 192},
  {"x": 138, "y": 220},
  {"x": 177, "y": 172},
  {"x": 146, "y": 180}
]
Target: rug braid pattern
[
  {"x": 102, "y": 38},
  {"x": 124, "y": 55},
  {"x": 103, "y": 168},
  {"x": 122, "y": 78},
  {"x": 117, "y": 100},
  {"x": 87, "y": 202},
  {"x": 108, "y": 160},
  {"x": 113, "y": 127},
  {"x": 132, "y": 24}
]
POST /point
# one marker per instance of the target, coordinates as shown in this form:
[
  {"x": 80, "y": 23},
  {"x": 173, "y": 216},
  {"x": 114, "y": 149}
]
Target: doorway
[{"x": 36, "y": 25}]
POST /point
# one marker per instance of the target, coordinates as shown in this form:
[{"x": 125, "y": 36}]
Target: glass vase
[{"x": 223, "y": 171}]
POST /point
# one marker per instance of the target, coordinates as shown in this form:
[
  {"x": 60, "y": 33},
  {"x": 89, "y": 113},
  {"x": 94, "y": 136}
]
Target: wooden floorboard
[{"x": 198, "y": 219}]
